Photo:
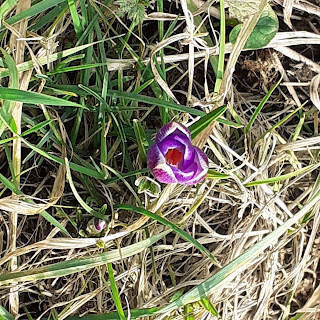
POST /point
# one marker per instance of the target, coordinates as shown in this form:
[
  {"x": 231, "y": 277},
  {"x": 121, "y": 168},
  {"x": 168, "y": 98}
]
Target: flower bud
[
  {"x": 95, "y": 226},
  {"x": 173, "y": 159}
]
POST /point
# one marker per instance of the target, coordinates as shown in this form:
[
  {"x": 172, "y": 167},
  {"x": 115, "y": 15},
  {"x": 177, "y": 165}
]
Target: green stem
[{"x": 221, "y": 48}]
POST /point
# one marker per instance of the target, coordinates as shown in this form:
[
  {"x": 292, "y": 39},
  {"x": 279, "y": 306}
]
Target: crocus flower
[
  {"x": 95, "y": 226},
  {"x": 173, "y": 159},
  {"x": 99, "y": 224}
]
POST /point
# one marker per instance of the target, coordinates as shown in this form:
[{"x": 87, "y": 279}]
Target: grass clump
[{"x": 85, "y": 86}]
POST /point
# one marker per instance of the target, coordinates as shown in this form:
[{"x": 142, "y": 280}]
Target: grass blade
[
  {"x": 36, "y": 127},
  {"x": 238, "y": 265},
  {"x": 5, "y": 315},
  {"x": 115, "y": 293},
  {"x": 64, "y": 268},
  {"x": 166, "y": 223},
  {"x": 75, "y": 192},
  {"x": 141, "y": 140},
  {"x": 216, "y": 175},
  {"x": 261, "y": 104},
  {"x": 5, "y": 7},
  {"x": 34, "y": 10},
  {"x": 76, "y": 21},
  {"x": 205, "y": 121},
  {"x": 35, "y": 98},
  {"x": 286, "y": 118},
  {"x": 220, "y": 68},
  {"x": 8, "y": 106},
  {"x": 283, "y": 177},
  {"x": 52, "y": 57},
  {"x": 154, "y": 101},
  {"x": 135, "y": 314}
]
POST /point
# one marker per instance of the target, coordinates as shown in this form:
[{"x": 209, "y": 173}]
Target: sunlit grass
[{"x": 85, "y": 85}]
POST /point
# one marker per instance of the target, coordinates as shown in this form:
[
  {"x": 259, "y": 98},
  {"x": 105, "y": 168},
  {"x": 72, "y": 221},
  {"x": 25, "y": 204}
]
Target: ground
[{"x": 85, "y": 87}]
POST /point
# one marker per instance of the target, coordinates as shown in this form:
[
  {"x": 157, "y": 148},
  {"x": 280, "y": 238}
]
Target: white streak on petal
[
  {"x": 164, "y": 173},
  {"x": 202, "y": 170},
  {"x": 169, "y": 128}
]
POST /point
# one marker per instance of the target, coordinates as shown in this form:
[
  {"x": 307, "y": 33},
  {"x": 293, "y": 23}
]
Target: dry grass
[{"x": 226, "y": 216}]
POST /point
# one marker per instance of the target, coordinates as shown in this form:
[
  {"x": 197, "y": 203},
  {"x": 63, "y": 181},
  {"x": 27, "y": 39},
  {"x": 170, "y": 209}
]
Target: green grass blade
[
  {"x": 205, "y": 121},
  {"x": 55, "y": 223},
  {"x": 35, "y": 98},
  {"x": 64, "y": 268},
  {"x": 34, "y": 10},
  {"x": 5, "y": 7},
  {"x": 207, "y": 304},
  {"x": 283, "y": 177},
  {"x": 8, "y": 184},
  {"x": 230, "y": 123},
  {"x": 126, "y": 175},
  {"x": 286, "y": 118},
  {"x": 136, "y": 97},
  {"x": 36, "y": 127},
  {"x": 8, "y": 106},
  {"x": 261, "y": 104},
  {"x": 76, "y": 21},
  {"x": 75, "y": 192},
  {"x": 103, "y": 102},
  {"x": 5, "y": 315},
  {"x": 102, "y": 120},
  {"x": 3, "y": 141},
  {"x": 166, "y": 223},
  {"x": 76, "y": 68},
  {"x": 84, "y": 14},
  {"x": 215, "y": 175},
  {"x": 188, "y": 312},
  {"x": 85, "y": 170},
  {"x": 10, "y": 164},
  {"x": 12, "y": 68},
  {"x": 299, "y": 127},
  {"x": 115, "y": 293},
  {"x": 154, "y": 101},
  {"x": 51, "y": 15},
  {"x": 52, "y": 57},
  {"x": 141, "y": 140},
  {"x": 220, "y": 68},
  {"x": 134, "y": 314},
  {"x": 125, "y": 182}
]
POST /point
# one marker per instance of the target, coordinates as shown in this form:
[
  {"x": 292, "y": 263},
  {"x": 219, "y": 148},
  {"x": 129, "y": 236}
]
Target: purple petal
[
  {"x": 164, "y": 174},
  {"x": 193, "y": 167},
  {"x": 154, "y": 156},
  {"x": 170, "y": 128},
  {"x": 183, "y": 144},
  {"x": 99, "y": 224},
  {"x": 169, "y": 143},
  {"x": 185, "y": 175},
  {"x": 158, "y": 166},
  {"x": 188, "y": 158},
  {"x": 202, "y": 167}
]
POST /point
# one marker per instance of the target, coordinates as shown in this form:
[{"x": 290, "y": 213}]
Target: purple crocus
[
  {"x": 95, "y": 226},
  {"x": 173, "y": 159},
  {"x": 99, "y": 224}
]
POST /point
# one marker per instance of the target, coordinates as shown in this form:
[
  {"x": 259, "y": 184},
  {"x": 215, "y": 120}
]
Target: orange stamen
[{"x": 173, "y": 156}]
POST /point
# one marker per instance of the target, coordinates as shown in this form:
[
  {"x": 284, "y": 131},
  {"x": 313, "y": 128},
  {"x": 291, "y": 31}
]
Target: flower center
[{"x": 173, "y": 156}]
